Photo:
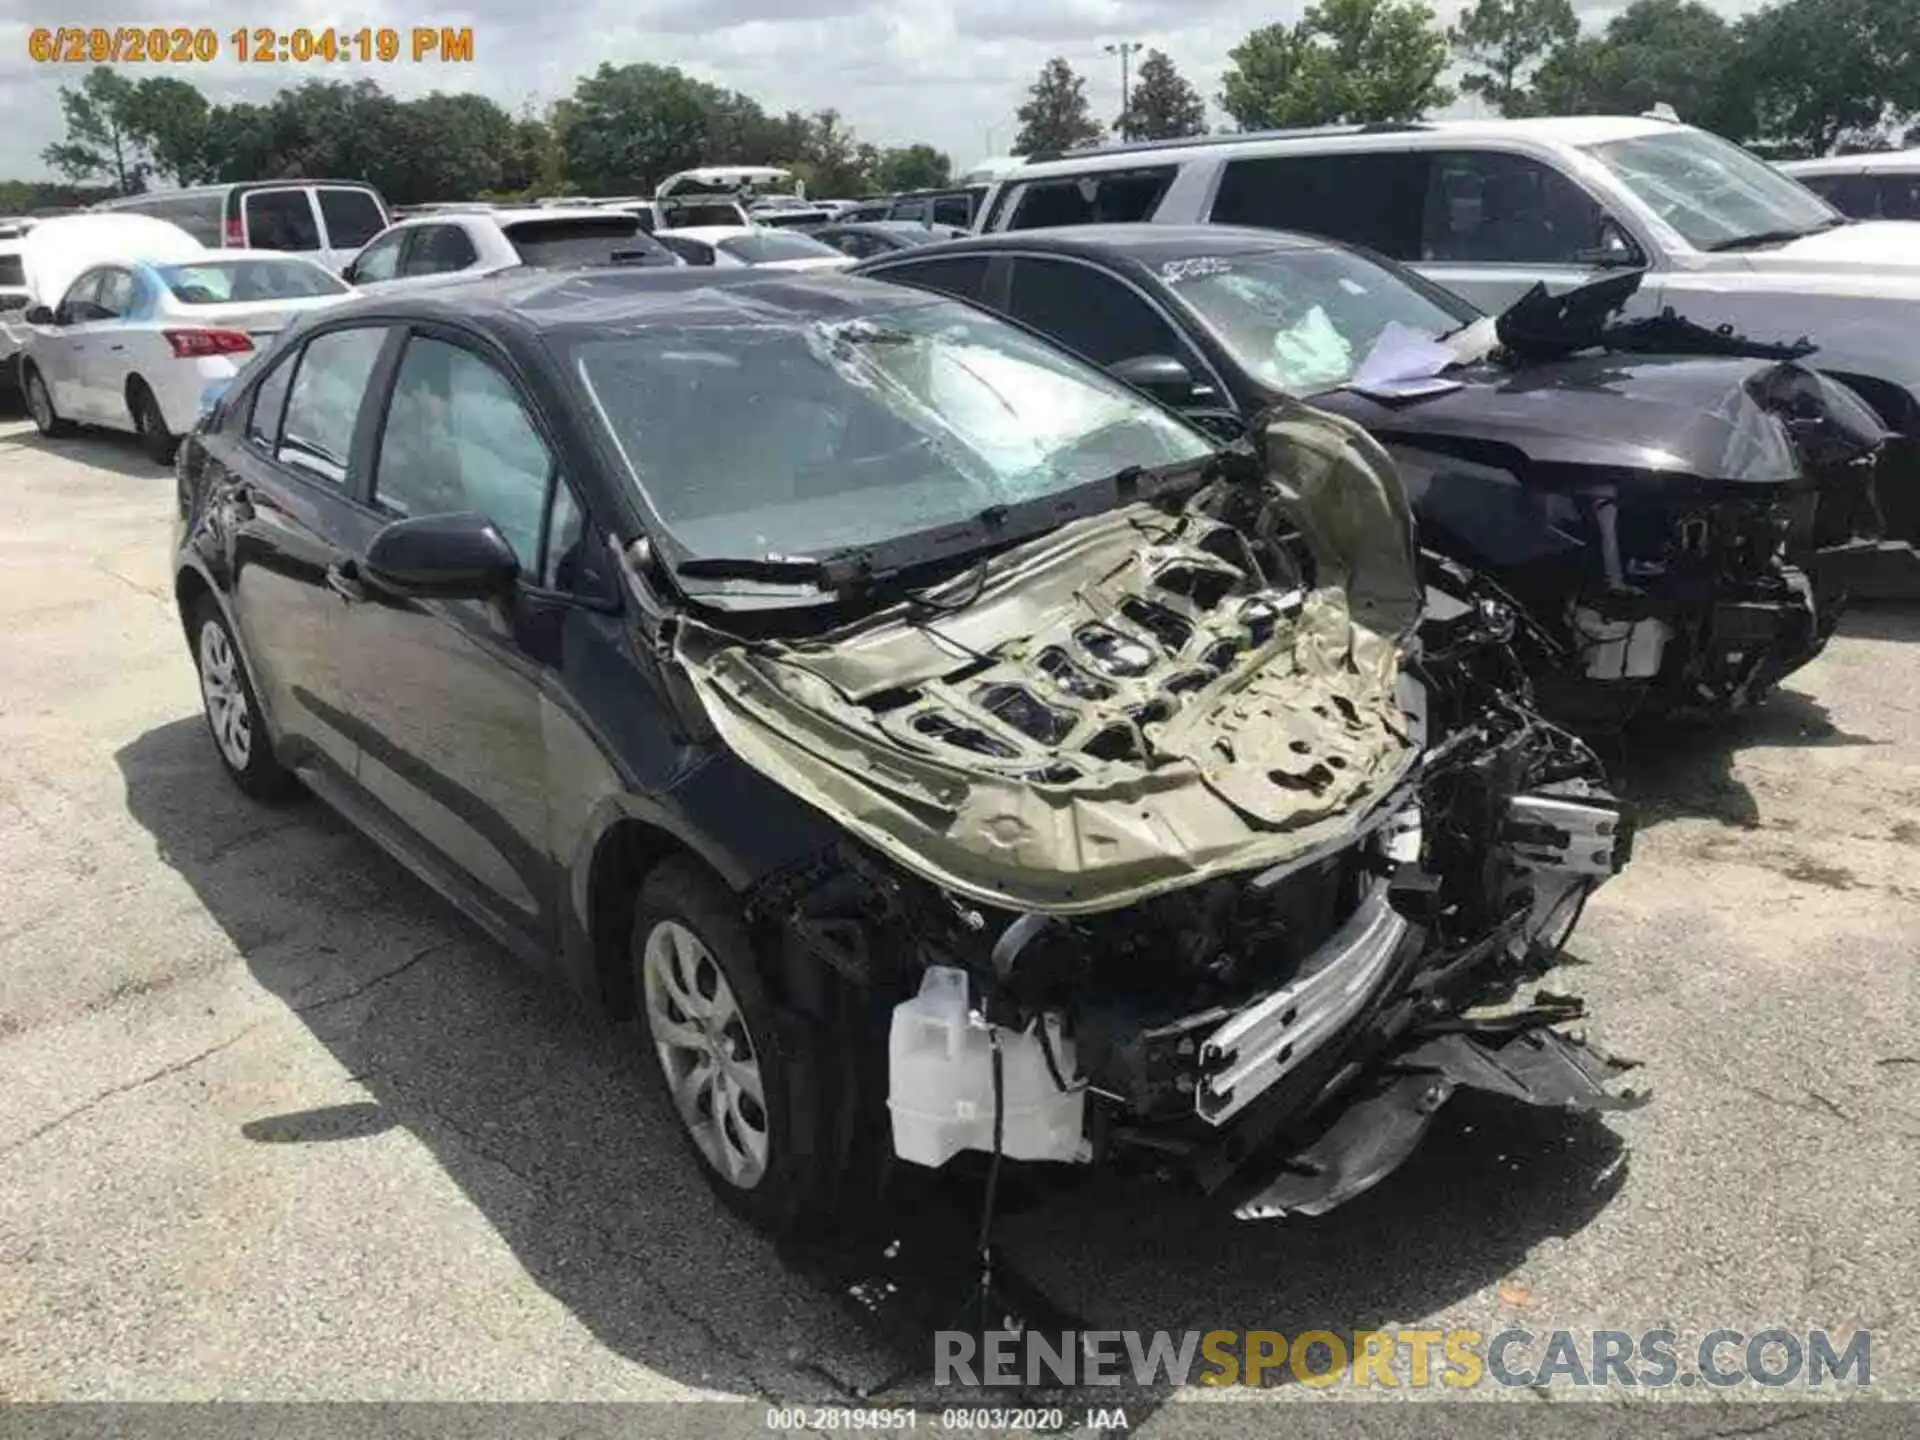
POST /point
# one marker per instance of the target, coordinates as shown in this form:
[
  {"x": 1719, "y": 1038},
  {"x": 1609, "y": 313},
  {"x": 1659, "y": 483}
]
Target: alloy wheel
[
  {"x": 229, "y": 715},
  {"x": 706, "y": 1051}
]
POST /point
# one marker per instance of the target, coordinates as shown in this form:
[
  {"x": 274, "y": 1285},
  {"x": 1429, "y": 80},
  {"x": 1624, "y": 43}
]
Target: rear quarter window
[
  {"x": 323, "y": 404},
  {"x": 1098, "y": 198}
]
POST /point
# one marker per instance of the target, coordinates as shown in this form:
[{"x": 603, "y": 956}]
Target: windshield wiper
[
  {"x": 1775, "y": 237},
  {"x": 864, "y": 568},
  {"x": 833, "y": 573}
]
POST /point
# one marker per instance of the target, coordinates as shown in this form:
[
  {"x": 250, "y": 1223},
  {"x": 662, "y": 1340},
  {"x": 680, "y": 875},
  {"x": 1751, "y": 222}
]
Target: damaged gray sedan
[{"x": 938, "y": 747}]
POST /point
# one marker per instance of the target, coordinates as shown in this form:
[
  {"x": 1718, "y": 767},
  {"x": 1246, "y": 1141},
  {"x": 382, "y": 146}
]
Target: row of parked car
[{"x": 1107, "y": 688}]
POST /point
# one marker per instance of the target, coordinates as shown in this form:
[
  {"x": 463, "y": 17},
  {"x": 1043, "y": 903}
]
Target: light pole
[{"x": 1125, "y": 49}]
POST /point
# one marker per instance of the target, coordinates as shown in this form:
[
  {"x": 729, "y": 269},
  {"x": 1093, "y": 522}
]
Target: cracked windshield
[
  {"x": 799, "y": 438},
  {"x": 1303, "y": 320}
]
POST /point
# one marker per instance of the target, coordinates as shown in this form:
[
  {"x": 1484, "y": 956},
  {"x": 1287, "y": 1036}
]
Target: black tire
[
  {"x": 256, "y": 770},
  {"x": 149, "y": 424},
  {"x": 804, "y": 1172},
  {"x": 45, "y": 418}
]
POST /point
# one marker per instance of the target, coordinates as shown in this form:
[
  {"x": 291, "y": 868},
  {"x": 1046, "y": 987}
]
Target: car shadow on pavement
[
  {"x": 548, "y": 1122},
  {"x": 102, "y": 449},
  {"x": 1684, "y": 769}
]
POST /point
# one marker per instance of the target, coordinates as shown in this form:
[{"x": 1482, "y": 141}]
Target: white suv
[{"x": 1489, "y": 207}]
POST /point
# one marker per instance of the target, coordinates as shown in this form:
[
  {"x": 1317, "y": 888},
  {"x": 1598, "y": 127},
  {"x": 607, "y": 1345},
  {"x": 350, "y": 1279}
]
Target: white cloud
[{"x": 930, "y": 70}]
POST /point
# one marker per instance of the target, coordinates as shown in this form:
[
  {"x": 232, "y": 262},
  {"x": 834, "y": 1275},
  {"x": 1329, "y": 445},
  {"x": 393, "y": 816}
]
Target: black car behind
[{"x": 1655, "y": 514}]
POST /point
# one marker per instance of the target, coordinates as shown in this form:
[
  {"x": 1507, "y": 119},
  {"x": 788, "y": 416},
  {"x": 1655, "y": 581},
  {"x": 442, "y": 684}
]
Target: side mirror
[
  {"x": 1161, "y": 376},
  {"x": 40, "y": 315},
  {"x": 348, "y": 274},
  {"x": 444, "y": 557},
  {"x": 1616, "y": 250}
]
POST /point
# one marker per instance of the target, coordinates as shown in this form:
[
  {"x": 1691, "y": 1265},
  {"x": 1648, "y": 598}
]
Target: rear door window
[
  {"x": 118, "y": 291},
  {"x": 1493, "y": 208},
  {"x": 1101, "y": 198},
  {"x": 439, "y": 250},
  {"x": 280, "y": 220},
  {"x": 953, "y": 210},
  {"x": 323, "y": 404},
  {"x": 1090, "y": 312},
  {"x": 1899, "y": 197},
  {"x": 380, "y": 260},
  {"x": 963, "y": 276},
  {"x": 1364, "y": 199},
  {"x": 353, "y": 216}
]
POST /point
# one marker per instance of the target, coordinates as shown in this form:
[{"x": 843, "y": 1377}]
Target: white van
[{"x": 325, "y": 220}]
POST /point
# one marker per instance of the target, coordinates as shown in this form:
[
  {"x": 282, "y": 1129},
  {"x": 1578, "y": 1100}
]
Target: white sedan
[
  {"x": 144, "y": 345},
  {"x": 730, "y": 245}
]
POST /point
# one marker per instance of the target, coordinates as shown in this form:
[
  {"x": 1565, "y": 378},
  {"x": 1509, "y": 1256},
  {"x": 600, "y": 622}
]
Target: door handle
[
  {"x": 116, "y": 348},
  {"x": 343, "y": 578}
]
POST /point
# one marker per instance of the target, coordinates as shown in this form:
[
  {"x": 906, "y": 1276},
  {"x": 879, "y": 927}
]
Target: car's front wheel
[
  {"x": 745, "y": 1077},
  {"x": 150, "y": 424},
  {"x": 233, "y": 711},
  {"x": 40, "y": 403}
]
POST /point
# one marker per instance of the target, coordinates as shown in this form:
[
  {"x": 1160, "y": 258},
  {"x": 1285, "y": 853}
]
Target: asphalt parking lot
[{"x": 276, "y": 1124}]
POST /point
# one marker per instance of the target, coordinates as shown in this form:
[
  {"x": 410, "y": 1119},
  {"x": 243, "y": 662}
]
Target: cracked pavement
[{"x": 276, "y": 1124}]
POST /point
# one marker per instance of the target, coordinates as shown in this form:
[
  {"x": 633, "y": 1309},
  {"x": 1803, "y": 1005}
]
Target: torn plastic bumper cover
[{"x": 1518, "y": 1058}]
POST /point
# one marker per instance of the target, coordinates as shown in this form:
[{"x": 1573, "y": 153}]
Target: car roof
[
  {"x": 1551, "y": 129},
  {"x": 506, "y": 214},
  {"x": 230, "y": 187},
  {"x": 581, "y": 302},
  {"x": 1147, "y": 244},
  {"x": 216, "y": 256},
  {"x": 885, "y": 227},
  {"x": 1870, "y": 161},
  {"x": 713, "y": 234}
]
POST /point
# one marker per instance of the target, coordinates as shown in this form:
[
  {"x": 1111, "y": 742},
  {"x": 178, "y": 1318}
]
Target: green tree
[
  {"x": 1346, "y": 62},
  {"x": 631, "y": 126},
  {"x": 1055, "y": 116},
  {"x": 1676, "y": 52},
  {"x": 912, "y": 167},
  {"x": 1259, "y": 83},
  {"x": 99, "y": 141},
  {"x": 832, "y": 160},
  {"x": 1505, "y": 38},
  {"x": 1163, "y": 106},
  {"x": 167, "y": 119},
  {"x": 1826, "y": 72},
  {"x": 443, "y": 147}
]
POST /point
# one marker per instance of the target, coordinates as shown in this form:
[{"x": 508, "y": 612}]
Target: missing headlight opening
[{"x": 1195, "y": 830}]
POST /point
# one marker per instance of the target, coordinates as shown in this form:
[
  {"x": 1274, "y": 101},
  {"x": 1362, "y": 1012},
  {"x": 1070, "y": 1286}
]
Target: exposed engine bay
[{"x": 1173, "y": 831}]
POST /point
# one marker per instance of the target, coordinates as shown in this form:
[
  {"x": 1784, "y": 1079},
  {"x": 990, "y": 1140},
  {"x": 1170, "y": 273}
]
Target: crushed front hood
[
  {"x": 1133, "y": 703},
  {"x": 1682, "y": 416}
]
